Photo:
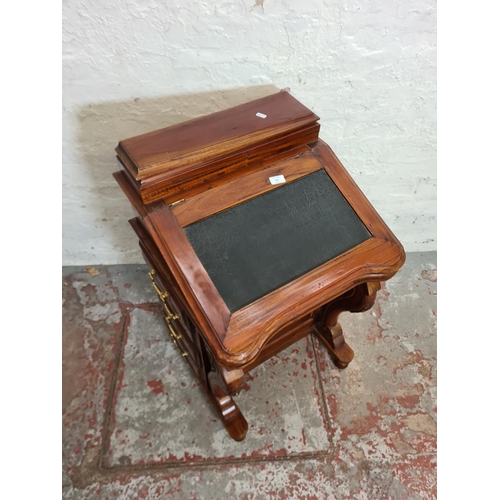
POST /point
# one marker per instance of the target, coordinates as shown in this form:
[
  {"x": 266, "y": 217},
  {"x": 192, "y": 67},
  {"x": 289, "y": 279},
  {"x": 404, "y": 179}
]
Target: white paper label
[
  {"x": 277, "y": 179},
  {"x": 261, "y": 115}
]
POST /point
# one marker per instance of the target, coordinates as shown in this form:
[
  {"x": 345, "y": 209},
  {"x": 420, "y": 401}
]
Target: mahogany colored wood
[
  {"x": 183, "y": 174},
  {"x": 229, "y": 413},
  {"x": 216, "y": 144},
  {"x": 358, "y": 299},
  {"x": 186, "y": 145},
  {"x": 216, "y": 381},
  {"x": 241, "y": 189}
]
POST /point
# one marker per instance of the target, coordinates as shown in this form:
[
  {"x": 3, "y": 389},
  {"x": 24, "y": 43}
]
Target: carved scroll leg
[
  {"x": 333, "y": 339},
  {"x": 229, "y": 413},
  {"x": 359, "y": 299}
]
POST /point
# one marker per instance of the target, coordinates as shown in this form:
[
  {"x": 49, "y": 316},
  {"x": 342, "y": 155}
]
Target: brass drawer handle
[
  {"x": 162, "y": 296},
  {"x": 169, "y": 314},
  {"x": 181, "y": 352},
  {"x": 173, "y": 333},
  {"x": 175, "y": 337}
]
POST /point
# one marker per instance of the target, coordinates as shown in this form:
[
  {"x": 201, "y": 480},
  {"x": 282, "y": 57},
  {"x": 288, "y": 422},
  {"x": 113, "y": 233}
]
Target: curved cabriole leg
[
  {"x": 359, "y": 299},
  {"x": 229, "y": 413}
]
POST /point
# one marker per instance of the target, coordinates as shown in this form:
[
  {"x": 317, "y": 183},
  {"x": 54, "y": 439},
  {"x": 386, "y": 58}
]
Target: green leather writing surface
[{"x": 254, "y": 248}]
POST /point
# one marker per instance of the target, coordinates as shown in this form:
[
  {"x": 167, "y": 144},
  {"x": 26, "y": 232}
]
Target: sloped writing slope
[{"x": 256, "y": 236}]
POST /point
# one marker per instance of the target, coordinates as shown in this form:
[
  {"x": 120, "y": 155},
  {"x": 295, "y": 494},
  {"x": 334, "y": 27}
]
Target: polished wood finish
[
  {"x": 358, "y": 299},
  {"x": 180, "y": 157},
  {"x": 239, "y": 337},
  {"x": 243, "y": 188},
  {"x": 196, "y": 178},
  {"x": 187, "y": 145}
]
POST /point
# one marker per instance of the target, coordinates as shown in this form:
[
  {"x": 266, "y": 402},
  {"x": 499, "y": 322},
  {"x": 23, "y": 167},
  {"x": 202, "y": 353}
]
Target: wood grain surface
[{"x": 180, "y": 175}]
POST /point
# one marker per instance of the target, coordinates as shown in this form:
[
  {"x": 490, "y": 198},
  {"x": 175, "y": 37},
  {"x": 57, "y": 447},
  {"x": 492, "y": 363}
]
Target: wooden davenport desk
[{"x": 256, "y": 236}]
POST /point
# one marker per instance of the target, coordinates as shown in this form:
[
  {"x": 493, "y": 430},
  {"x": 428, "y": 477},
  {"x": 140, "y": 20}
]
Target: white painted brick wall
[{"x": 367, "y": 68}]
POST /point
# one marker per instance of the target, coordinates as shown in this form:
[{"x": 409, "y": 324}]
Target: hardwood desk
[{"x": 256, "y": 236}]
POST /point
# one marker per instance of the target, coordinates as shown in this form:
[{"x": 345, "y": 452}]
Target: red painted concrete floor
[{"x": 137, "y": 425}]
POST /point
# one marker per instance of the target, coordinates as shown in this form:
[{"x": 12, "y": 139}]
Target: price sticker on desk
[{"x": 277, "y": 179}]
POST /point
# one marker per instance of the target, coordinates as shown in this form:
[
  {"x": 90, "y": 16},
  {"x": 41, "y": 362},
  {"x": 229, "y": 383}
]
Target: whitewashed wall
[{"x": 367, "y": 68}]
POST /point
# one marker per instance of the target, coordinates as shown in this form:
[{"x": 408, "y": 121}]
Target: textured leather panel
[{"x": 256, "y": 247}]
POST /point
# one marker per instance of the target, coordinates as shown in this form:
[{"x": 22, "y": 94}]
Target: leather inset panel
[{"x": 258, "y": 246}]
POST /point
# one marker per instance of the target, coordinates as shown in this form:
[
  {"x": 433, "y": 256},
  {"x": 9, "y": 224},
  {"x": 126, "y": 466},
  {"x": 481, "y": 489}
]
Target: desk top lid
[
  {"x": 174, "y": 149},
  {"x": 254, "y": 248}
]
